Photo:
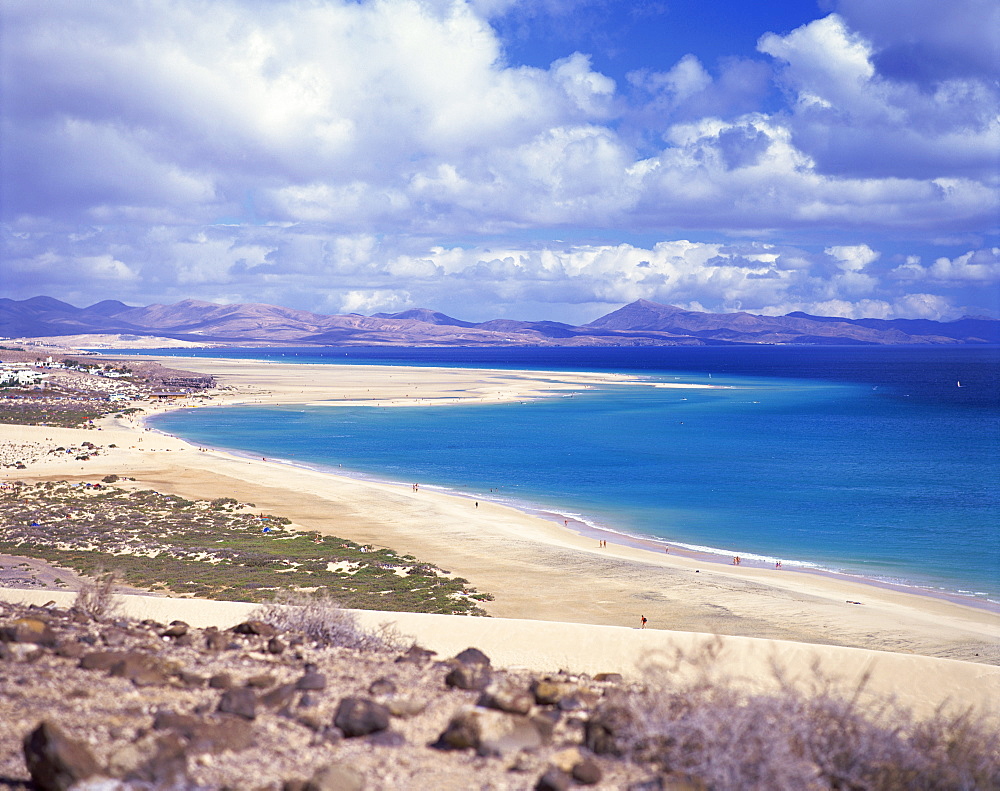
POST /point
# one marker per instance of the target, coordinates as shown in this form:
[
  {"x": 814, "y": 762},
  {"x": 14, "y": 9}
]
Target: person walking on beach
[{"x": 642, "y": 621}]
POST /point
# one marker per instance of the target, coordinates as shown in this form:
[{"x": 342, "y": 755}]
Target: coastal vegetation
[{"x": 217, "y": 549}]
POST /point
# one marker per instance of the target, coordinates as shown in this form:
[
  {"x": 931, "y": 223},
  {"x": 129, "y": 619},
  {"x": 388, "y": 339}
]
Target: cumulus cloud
[{"x": 327, "y": 155}]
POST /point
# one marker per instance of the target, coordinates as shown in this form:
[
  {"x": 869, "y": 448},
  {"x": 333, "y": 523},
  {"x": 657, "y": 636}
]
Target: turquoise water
[{"x": 844, "y": 475}]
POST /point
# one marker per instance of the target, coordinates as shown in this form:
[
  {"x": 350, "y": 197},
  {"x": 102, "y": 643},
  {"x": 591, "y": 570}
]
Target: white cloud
[{"x": 317, "y": 154}]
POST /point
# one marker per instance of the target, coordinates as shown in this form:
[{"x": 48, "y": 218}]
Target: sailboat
[{"x": 959, "y": 384}]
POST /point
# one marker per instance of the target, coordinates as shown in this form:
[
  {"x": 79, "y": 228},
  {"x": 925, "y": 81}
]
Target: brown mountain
[{"x": 639, "y": 323}]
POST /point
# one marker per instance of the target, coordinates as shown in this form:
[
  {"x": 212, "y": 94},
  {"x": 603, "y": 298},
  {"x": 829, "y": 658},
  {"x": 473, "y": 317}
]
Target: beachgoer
[{"x": 642, "y": 621}]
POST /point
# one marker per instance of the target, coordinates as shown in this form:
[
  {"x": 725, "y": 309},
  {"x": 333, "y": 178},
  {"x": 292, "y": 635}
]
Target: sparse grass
[
  {"x": 214, "y": 549},
  {"x": 815, "y": 738},
  {"x": 321, "y": 619},
  {"x": 95, "y": 599}
]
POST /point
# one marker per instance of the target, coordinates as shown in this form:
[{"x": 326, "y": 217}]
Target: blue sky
[{"x": 497, "y": 158}]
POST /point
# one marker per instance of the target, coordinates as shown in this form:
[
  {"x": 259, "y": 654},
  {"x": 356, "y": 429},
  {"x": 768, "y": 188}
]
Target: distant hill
[{"x": 640, "y": 323}]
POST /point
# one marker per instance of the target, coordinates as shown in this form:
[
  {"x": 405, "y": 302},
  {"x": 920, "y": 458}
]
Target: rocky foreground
[{"x": 300, "y": 698}]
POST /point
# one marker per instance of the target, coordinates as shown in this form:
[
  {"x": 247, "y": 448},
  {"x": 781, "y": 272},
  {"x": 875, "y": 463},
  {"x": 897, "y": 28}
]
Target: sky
[{"x": 526, "y": 159}]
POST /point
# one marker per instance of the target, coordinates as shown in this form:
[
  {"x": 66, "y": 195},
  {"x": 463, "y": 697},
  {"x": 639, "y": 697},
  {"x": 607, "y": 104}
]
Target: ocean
[{"x": 878, "y": 462}]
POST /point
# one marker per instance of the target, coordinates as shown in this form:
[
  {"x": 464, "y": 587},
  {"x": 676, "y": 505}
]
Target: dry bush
[
  {"x": 793, "y": 740},
  {"x": 320, "y": 618},
  {"x": 95, "y": 599}
]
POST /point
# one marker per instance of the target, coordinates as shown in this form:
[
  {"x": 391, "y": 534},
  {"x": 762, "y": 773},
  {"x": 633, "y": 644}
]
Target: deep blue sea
[{"x": 866, "y": 460}]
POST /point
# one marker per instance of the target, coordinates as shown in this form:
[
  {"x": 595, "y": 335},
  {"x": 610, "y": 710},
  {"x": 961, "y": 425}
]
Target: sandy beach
[{"x": 538, "y": 570}]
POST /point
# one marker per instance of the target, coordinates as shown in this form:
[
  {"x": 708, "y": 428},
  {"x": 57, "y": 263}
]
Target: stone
[
  {"x": 70, "y": 650},
  {"x": 101, "y": 660},
  {"x": 311, "y": 680},
  {"x": 255, "y": 627},
  {"x": 360, "y": 717},
  {"x": 382, "y": 687},
  {"x": 280, "y": 696},
  {"x": 473, "y": 656},
  {"x": 28, "y": 630},
  {"x": 221, "y": 681},
  {"x": 548, "y": 692},
  {"x": 215, "y": 640},
  {"x": 587, "y": 772},
  {"x": 140, "y": 669},
  {"x": 470, "y": 677},
  {"x": 604, "y": 729},
  {"x": 405, "y": 707},
  {"x": 416, "y": 655},
  {"x": 261, "y": 681},
  {"x": 55, "y": 761},
  {"x": 553, "y": 780},
  {"x": 176, "y": 629},
  {"x": 608, "y": 677},
  {"x": 336, "y": 777},
  {"x": 490, "y": 733},
  {"x": 507, "y": 698},
  {"x": 242, "y": 702},
  {"x": 275, "y": 646},
  {"x": 462, "y": 733}
]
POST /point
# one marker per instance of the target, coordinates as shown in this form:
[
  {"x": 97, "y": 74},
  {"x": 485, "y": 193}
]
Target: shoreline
[
  {"x": 558, "y": 382},
  {"x": 535, "y": 567}
]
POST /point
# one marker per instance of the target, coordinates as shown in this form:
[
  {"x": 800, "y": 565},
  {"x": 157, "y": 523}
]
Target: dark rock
[
  {"x": 611, "y": 677},
  {"x": 548, "y": 692},
  {"x": 416, "y": 655},
  {"x": 471, "y": 677},
  {"x": 473, "y": 656},
  {"x": 280, "y": 696},
  {"x": 228, "y": 733},
  {"x": 360, "y": 716},
  {"x": 462, "y": 733},
  {"x": 382, "y": 686},
  {"x": 28, "y": 630},
  {"x": 261, "y": 681},
  {"x": 241, "y": 702},
  {"x": 275, "y": 646},
  {"x": 70, "y": 650},
  {"x": 490, "y": 733},
  {"x": 140, "y": 669},
  {"x": 191, "y": 680},
  {"x": 308, "y": 700},
  {"x": 255, "y": 627},
  {"x": 102, "y": 660},
  {"x": 176, "y": 629},
  {"x": 221, "y": 681},
  {"x": 509, "y": 699},
  {"x": 311, "y": 680},
  {"x": 215, "y": 640},
  {"x": 166, "y": 767},
  {"x": 587, "y": 772},
  {"x": 553, "y": 780},
  {"x": 569, "y": 703},
  {"x": 54, "y": 760},
  {"x": 605, "y": 729}
]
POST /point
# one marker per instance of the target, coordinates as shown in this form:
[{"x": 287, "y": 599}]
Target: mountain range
[{"x": 640, "y": 323}]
